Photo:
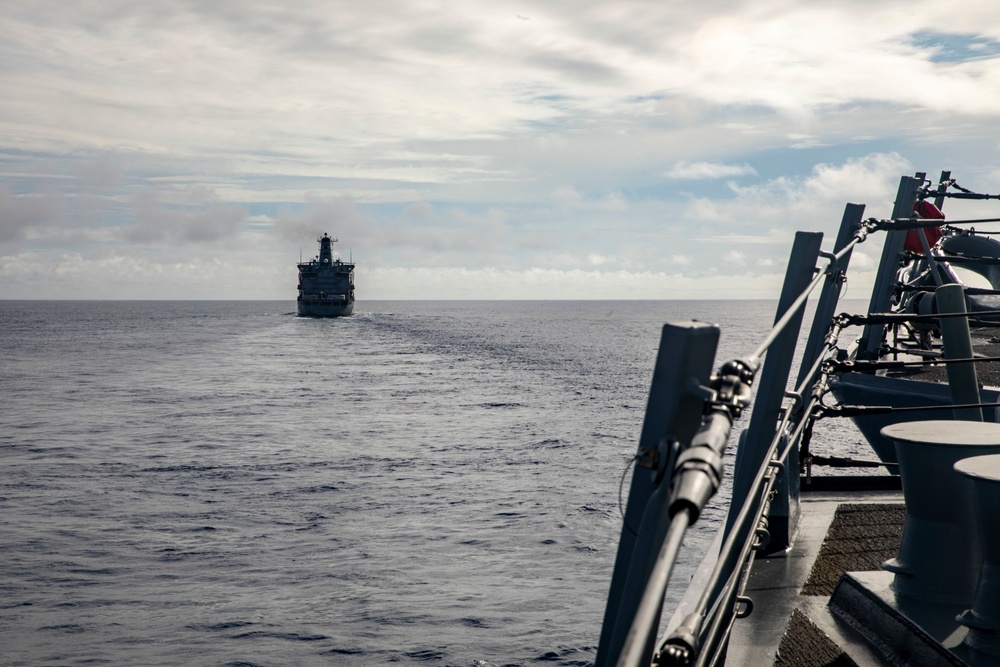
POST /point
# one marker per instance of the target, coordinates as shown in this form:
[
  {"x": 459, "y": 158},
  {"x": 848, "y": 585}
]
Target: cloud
[
  {"x": 547, "y": 283},
  {"x": 708, "y": 170},
  {"x": 18, "y": 215},
  {"x": 421, "y": 232},
  {"x": 468, "y": 138},
  {"x": 247, "y": 273},
  {"x": 737, "y": 257},
  {"x": 186, "y": 78},
  {"x": 101, "y": 173},
  {"x": 567, "y": 195},
  {"x": 872, "y": 178},
  {"x": 161, "y": 223},
  {"x": 680, "y": 260},
  {"x": 338, "y": 216}
]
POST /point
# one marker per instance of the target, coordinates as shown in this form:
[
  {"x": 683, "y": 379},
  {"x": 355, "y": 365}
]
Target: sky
[{"x": 645, "y": 149}]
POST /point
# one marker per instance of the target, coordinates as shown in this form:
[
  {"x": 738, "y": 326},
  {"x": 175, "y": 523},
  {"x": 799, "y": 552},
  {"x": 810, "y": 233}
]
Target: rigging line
[
  {"x": 860, "y": 235},
  {"x": 621, "y": 486},
  {"x": 972, "y": 195},
  {"x": 817, "y": 368},
  {"x": 754, "y": 507},
  {"x": 959, "y": 259},
  {"x": 985, "y": 324},
  {"x": 952, "y": 183},
  {"x": 792, "y": 310},
  {"x": 914, "y": 284},
  {"x": 863, "y": 365},
  {"x": 969, "y": 232},
  {"x": 707, "y": 608},
  {"x": 651, "y": 604},
  {"x": 920, "y": 222},
  {"x": 969, "y": 291},
  {"x": 736, "y": 582},
  {"x": 921, "y": 352},
  {"x": 963, "y": 193},
  {"x": 942, "y": 191},
  {"x": 763, "y": 482},
  {"x": 893, "y": 224},
  {"x": 799, "y": 303},
  {"x": 719, "y": 647},
  {"x": 890, "y": 318},
  {"x": 749, "y": 553},
  {"x": 976, "y": 322},
  {"x": 727, "y": 596},
  {"x": 824, "y": 411},
  {"x": 843, "y": 288}
]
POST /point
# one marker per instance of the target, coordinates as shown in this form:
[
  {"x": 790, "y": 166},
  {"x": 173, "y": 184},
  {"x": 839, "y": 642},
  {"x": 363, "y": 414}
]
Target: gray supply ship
[{"x": 326, "y": 285}]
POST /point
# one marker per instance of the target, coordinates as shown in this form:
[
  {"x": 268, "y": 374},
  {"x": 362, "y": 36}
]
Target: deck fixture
[
  {"x": 939, "y": 557},
  {"x": 983, "y": 619}
]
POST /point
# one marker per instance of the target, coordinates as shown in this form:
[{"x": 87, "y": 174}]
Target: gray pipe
[{"x": 957, "y": 342}]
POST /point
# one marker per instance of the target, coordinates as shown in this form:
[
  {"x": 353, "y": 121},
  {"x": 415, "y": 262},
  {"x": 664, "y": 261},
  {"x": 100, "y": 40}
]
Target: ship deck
[
  {"x": 844, "y": 536},
  {"x": 841, "y": 529}
]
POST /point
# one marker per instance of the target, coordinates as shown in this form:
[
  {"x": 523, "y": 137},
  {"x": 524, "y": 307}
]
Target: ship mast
[{"x": 326, "y": 249}]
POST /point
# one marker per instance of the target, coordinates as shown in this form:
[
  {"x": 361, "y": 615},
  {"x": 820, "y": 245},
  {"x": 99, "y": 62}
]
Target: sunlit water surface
[{"x": 227, "y": 484}]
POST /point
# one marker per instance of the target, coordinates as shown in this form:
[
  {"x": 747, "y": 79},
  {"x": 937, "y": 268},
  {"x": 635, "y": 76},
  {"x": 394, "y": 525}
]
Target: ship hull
[{"x": 325, "y": 308}]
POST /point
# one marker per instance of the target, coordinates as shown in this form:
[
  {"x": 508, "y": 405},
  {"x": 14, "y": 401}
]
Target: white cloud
[
  {"x": 707, "y": 170},
  {"x": 820, "y": 196},
  {"x": 69, "y": 275},
  {"x": 545, "y": 283},
  {"x": 339, "y": 85},
  {"x": 736, "y": 257},
  {"x": 567, "y": 195},
  {"x": 680, "y": 260},
  {"x": 462, "y": 138}
]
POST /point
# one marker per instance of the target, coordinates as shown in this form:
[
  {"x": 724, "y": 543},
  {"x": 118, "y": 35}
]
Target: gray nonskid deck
[{"x": 823, "y": 551}]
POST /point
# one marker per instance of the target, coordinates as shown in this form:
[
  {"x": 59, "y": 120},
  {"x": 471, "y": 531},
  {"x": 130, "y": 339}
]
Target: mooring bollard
[
  {"x": 983, "y": 619},
  {"x": 939, "y": 557}
]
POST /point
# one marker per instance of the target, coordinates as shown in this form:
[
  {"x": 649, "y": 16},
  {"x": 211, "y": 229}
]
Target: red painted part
[{"x": 928, "y": 211}]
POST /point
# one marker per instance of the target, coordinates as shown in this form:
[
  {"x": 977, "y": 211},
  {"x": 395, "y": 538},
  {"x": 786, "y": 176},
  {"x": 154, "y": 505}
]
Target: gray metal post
[
  {"x": 830, "y": 294},
  {"x": 786, "y": 501},
  {"x": 939, "y": 199},
  {"x": 888, "y": 267},
  {"x": 673, "y": 414},
  {"x": 771, "y": 393},
  {"x": 957, "y": 342}
]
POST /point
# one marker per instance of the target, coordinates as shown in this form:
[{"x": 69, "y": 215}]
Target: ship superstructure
[{"x": 326, "y": 284}]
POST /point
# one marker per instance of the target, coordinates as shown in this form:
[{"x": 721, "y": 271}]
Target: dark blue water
[{"x": 228, "y": 484}]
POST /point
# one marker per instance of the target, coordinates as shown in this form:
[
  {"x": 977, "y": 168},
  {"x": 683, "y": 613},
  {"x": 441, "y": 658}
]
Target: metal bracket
[{"x": 656, "y": 459}]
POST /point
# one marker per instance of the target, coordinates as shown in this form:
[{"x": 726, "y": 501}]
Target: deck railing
[
  {"x": 683, "y": 441},
  {"x": 671, "y": 503}
]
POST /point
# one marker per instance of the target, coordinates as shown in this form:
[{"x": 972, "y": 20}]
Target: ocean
[{"x": 224, "y": 483}]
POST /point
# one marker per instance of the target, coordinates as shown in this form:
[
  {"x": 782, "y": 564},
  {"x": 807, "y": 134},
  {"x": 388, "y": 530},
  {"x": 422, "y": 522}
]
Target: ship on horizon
[{"x": 326, "y": 285}]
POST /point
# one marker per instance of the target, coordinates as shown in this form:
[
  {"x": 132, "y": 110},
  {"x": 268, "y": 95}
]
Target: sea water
[{"x": 224, "y": 483}]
